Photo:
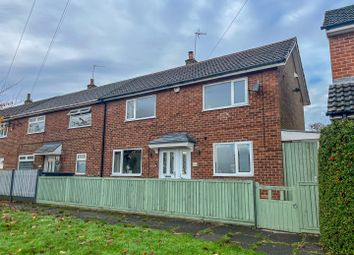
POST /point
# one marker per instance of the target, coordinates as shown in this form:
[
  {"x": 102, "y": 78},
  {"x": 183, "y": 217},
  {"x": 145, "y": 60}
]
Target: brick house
[
  {"x": 220, "y": 118},
  {"x": 339, "y": 27}
]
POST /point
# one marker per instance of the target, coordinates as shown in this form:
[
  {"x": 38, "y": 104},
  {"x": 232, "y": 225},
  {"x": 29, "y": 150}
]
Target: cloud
[{"x": 134, "y": 37}]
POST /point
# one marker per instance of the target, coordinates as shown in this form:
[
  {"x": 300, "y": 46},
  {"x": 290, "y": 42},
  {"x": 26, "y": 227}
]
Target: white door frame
[{"x": 178, "y": 163}]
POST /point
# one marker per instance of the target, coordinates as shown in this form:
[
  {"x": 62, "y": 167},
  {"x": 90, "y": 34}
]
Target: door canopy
[
  {"x": 173, "y": 140},
  {"x": 49, "y": 149}
]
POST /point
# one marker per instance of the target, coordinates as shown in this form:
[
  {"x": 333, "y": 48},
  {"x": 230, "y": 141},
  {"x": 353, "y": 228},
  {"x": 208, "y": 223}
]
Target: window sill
[
  {"x": 36, "y": 133},
  {"x": 127, "y": 175},
  {"x": 234, "y": 175},
  {"x": 3, "y": 137},
  {"x": 80, "y": 127},
  {"x": 147, "y": 118},
  {"x": 226, "y": 107}
]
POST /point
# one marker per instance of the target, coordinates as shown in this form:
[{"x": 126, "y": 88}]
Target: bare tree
[{"x": 317, "y": 126}]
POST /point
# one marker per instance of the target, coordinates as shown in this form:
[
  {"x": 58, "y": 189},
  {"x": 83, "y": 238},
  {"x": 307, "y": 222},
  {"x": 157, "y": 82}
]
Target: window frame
[
  {"x": 77, "y": 159},
  {"x": 28, "y": 127},
  {"x": 134, "y": 100},
  {"x": 5, "y": 130},
  {"x": 237, "y": 173},
  {"x": 232, "y": 91},
  {"x": 79, "y": 112},
  {"x": 2, "y": 163},
  {"x": 26, "y": 156},
  {"x": 121, "y": 162}
]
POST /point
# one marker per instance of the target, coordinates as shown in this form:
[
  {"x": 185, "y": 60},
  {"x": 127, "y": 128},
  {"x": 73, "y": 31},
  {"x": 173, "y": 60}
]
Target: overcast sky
[{"x": 132, "y": 38}]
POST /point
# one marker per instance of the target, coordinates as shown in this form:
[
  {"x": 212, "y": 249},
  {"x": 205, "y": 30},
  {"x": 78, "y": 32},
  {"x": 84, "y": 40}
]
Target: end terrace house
[{"x": 220, "y": 118}]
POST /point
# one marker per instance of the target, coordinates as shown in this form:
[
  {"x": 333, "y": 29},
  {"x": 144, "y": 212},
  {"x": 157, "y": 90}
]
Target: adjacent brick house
[
  {"x": 219, "y": 118},
  {"x": 339, "y": 26}
]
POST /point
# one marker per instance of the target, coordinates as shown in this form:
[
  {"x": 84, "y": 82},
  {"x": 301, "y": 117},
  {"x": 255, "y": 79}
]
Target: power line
[
  {"x": 4, "y": 88},
  {"x": 50, "y": 45},
  {"x": 228, "y": 28}
]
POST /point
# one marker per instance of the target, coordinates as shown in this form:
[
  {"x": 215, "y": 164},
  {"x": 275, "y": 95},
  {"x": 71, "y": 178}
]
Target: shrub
[{"x": 336, "y": 187}]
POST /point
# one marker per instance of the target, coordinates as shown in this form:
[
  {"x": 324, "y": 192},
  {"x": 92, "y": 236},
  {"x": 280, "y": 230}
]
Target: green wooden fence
[
  {"x": 293, "y": 209},
  {"x": 226, "y": 201},
  {"x": 300, "y": 162}
]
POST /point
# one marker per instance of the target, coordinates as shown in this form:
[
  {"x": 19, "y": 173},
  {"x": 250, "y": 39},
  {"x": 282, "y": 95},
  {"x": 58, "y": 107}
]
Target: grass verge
[{"x": 29, "y": 233}]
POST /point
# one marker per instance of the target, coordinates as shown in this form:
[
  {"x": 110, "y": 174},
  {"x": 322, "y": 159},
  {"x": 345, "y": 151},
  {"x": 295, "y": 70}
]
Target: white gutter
[{"x": 339, "y": 30}]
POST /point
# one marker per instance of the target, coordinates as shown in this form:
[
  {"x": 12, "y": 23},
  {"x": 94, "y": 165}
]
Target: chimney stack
[
  {"x": 92, "y": 84},
  {"x": 28, "y": 99},
  {"x": 191, "y": 59}
]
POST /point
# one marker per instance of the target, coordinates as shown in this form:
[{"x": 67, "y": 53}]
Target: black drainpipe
[{"x": 103, "y": 138}]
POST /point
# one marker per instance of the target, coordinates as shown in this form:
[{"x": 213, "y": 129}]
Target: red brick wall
[
  {"x": 80, "y": 140},
  {"x": 182, "y": 112},
  {"x": 342, "y": 55}
]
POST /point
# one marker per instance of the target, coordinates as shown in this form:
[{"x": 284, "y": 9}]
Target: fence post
[
  {"x": 39, "y": 172},
  {"x": 12, "y": 184},
  {"x": 101, "y": 192},
  {"x": 255, "y": 197},
  {"x": 66, "y": 198}
]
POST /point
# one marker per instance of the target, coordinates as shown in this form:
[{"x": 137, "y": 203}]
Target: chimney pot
[
  {"x": 28, "y": 99},
  {"x": 92, "y": 84},
  {"x": 191, "y": 59}
]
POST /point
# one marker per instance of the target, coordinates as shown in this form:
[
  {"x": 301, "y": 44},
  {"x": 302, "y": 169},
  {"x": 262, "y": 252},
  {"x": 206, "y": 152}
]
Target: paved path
[{"x": 273, "y": 243}]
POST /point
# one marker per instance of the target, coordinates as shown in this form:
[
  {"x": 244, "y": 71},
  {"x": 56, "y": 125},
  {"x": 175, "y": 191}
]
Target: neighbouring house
[
  {"x": 339, "y": 26},
  {"x": 224, "y": 117}
]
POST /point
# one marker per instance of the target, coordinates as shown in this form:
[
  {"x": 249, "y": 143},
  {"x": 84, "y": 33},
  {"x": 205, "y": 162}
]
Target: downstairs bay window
[
  {"x": 233, "y": 159},
  {"x": 127, "y": 162}
]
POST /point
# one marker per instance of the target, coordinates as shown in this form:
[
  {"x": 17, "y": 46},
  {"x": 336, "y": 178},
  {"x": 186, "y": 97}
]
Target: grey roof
[
  {"x": 341, "y": 97},
  {"x": 275, "y": 53},
  {"x": 339, "y": 17},
  {"x": 264, "y": 56},
  {"x": 48, "y": 148},
  {"x": 174, "y": 138}
]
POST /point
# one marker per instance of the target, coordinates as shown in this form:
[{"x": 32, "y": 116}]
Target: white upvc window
[
  {"x": 36, "y": 125},
  {"x": 127, "y": 162},
  {"x": 3, "y": 130},
  {"x": 141, "y": 108},
  {"x": 26, "y": 162},
  {"x": 233, "y": 159},
  {"x": 80, "y": 118},
  {"x": 225, "y": 94},
  {"x": 80, "y": 168},
  {"x": 2, "y": 162}
]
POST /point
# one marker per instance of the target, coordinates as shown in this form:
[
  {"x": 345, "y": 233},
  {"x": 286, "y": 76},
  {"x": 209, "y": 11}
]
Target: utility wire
[
  {"x": 228, "y": 28},
  {"x": 50, "y": 45},
  {"x": 3, "y": 87}
]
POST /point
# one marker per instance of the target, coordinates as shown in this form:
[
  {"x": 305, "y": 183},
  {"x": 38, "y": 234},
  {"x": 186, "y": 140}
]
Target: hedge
[{"x": 336, "y": 187}]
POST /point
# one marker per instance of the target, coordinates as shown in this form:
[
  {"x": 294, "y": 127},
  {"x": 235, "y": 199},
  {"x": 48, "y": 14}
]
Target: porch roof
[
  {"x": 49, "y": 149},
  {"x": 173, "y": 140}
]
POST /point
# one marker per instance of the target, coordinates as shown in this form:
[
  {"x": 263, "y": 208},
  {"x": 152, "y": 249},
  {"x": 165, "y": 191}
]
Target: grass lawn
[{"x": 29, "y": 233}]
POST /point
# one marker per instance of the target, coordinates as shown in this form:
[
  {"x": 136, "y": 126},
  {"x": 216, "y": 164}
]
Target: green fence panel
[
  {"x": 222, "y": 200},
  {"x": 300, "y": 162},
  {"x": 308, "y": 202}
]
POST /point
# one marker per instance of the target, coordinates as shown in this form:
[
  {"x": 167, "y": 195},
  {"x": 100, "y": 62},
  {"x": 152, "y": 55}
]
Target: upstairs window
[
  {"x": 233, "y": 159},
  {"x": 81, "y": 164},
  {"x": 225, "y": 94},
  {"x": 26, "y": 162},
  {"x": 141, "y": 108},
  {"x": 80, "y": 118},
  {"x": 3, "y": 130},
  {"x": 127, "y": 162},
  {"x": 36, "y": 125}
]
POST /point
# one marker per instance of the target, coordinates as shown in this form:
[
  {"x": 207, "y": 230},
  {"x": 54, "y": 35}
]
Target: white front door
[
  {"x": 51, "y": 164},
  {"x": 175, "y": 163}
]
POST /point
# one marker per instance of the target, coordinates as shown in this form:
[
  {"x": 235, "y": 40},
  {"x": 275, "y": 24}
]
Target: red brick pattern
[{"x": 342, "y": 55}]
